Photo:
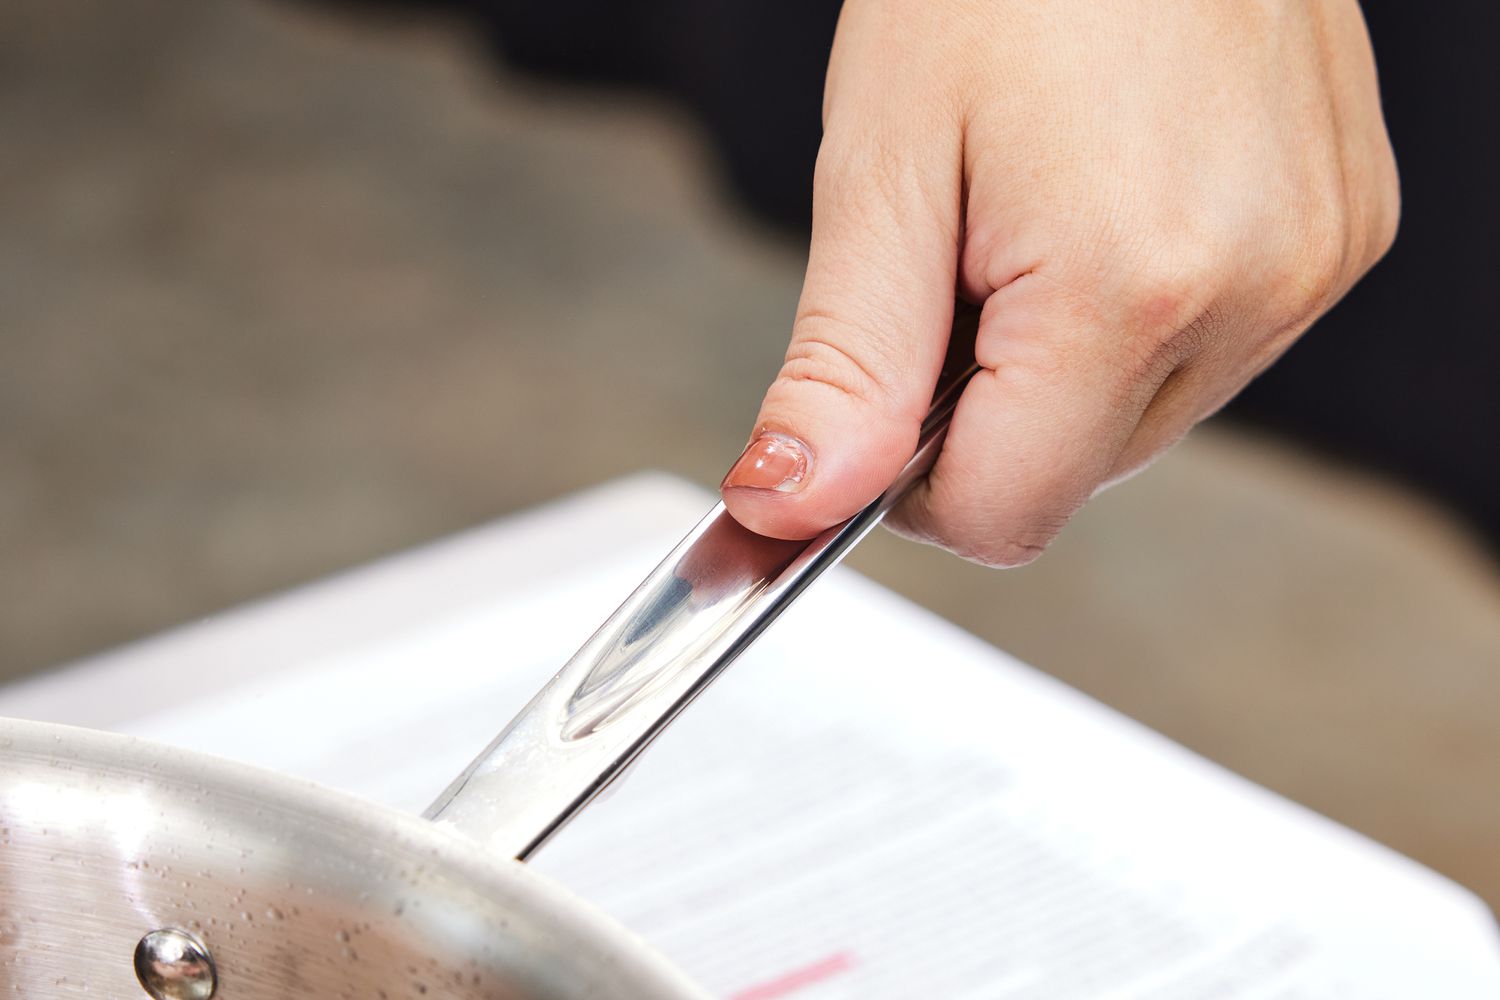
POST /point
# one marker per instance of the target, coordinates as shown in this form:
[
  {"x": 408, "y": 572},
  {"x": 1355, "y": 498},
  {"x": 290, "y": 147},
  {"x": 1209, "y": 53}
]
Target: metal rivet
[{"x": 174, "y": 965}]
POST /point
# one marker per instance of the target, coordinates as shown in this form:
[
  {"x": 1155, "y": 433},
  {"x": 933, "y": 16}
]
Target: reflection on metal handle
[{"x": 703, "y": 606}]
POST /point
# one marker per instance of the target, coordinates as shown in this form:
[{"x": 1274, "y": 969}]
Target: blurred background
[{"x": 286, "y": 286}]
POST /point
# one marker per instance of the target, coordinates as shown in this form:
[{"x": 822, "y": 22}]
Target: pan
[{"x": 128, "y": 867}]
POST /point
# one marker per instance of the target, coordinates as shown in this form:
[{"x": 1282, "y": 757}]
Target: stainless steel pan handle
[{"x": 703, "y": 606}]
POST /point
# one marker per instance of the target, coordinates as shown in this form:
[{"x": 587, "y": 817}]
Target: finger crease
[{"x": 825, "y": 362}]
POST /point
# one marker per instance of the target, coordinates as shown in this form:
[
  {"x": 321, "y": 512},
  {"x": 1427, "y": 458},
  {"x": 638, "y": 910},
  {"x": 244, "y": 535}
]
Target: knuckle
[
  {"x": 1388, "y": 223},
  {"x": 1005, "y": 553},
  {"x": 1197, "y": 336},
  {"x": 1324, "y": 264},
  {"x": 817, "y": 355},
  {"x": 1385, "y": 212},
  {"x": 1171, "y": 316},
  {"x": 1000, "y": 535},
  {"x": 1164, "y": 299},
  {"x": 1302, "y": 267},
  {"x": 1314, "y": 275}
]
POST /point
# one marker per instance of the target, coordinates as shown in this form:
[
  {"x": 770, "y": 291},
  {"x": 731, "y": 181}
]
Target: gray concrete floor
[{"x": 282, "y": 291}]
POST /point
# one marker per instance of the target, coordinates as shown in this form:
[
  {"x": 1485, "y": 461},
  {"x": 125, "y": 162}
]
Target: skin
[{"x": 1150, "y": 201}]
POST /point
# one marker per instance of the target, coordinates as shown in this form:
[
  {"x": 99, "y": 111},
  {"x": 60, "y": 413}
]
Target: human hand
[{"x": 1150, "y": 200}]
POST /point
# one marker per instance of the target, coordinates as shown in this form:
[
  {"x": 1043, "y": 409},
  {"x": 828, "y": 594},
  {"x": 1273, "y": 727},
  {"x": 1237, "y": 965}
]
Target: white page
[{"x": 872, "y": 804}]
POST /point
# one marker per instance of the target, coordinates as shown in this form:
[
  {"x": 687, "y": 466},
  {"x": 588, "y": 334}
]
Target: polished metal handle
[{"x": 703, "y": 606}]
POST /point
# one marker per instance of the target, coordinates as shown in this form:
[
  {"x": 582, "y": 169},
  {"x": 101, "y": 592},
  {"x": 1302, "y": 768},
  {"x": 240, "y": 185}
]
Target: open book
[{"x": 869, "y": 804}]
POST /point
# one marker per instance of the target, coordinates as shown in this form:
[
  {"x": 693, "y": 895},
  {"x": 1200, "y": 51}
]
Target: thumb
[{"x": 872, "y": 326}]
